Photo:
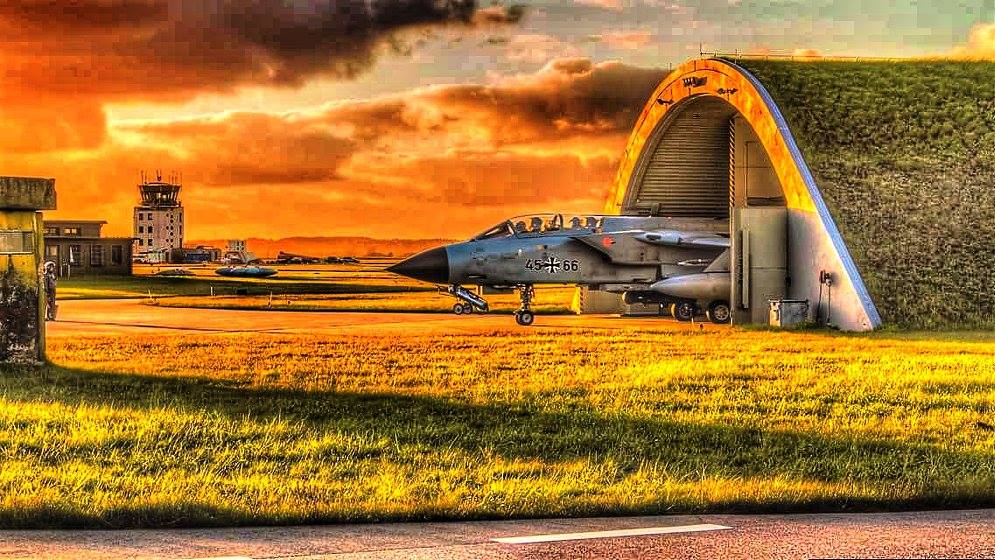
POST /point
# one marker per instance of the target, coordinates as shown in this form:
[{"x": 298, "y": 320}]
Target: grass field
[{"x": 263, "y": 429}]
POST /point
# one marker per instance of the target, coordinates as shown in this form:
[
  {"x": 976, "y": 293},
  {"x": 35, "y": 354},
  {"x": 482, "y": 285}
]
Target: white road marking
[{"x": 610, "y": 534}]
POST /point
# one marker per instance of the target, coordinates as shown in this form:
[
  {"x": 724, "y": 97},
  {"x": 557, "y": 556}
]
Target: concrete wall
[
  {"x": 759, "y": 257},
  {"x": 810, "y": 251},
  {"x": 165, "y": 225},
  {"x": 22, "y": 326},
  {"x": 27, "y": 193},
  {"x": 752, "y": 178}
]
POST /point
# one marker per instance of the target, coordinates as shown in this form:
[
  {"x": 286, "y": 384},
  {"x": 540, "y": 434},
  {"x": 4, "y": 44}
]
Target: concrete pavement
[{"x": 124, "y": 316}]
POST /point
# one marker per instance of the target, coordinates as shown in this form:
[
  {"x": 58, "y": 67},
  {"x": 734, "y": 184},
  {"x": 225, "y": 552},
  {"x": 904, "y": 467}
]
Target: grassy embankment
[
  {"x": 239, "y": 429},
  {"x": 904, "y": 153}
]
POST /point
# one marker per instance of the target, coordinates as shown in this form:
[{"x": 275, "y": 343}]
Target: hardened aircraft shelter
[{"x": 866, "y": 188}]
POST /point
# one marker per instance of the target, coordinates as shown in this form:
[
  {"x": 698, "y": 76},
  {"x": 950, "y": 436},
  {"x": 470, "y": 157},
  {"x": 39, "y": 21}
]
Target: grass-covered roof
[{"x": 904, "y": 154}]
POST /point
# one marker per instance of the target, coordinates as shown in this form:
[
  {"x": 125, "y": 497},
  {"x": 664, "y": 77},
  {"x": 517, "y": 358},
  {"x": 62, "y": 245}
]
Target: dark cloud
[
  {"x": 568, "y": 97},
  {"x": 149, "y": 46},
  {"x": 94, "y": 51}
]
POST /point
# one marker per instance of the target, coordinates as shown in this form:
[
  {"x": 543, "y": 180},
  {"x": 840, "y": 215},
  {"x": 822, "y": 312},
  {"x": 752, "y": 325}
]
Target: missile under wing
[{"x": 679, "y": 263}]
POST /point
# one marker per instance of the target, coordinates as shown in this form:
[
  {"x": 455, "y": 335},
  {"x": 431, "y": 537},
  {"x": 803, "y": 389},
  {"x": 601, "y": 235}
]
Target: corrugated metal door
[{"x": 687, "y": 173}]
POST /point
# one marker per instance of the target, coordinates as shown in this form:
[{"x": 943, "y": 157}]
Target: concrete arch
[{"x": 815, "y": 243}]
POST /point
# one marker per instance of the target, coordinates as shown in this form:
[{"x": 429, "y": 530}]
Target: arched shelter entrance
[{"x": 711, "y": 144}]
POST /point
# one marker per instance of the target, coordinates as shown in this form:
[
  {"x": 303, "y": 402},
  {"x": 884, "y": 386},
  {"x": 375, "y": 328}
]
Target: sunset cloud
[
  {"x": 615, "y": 5},
  {"x": 627, "y": 40},
  {"x": 569, "y": 98},
  {"x": 806, "y": 53},
  {"x": 545, "y": 140},
  {"x": 980, "y": 43}
]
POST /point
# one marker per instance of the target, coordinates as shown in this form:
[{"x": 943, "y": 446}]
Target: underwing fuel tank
[{"x": 707, "y": 286}]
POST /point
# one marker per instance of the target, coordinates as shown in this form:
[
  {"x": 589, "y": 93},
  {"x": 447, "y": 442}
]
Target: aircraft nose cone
[{"x": 427, "y": 266}]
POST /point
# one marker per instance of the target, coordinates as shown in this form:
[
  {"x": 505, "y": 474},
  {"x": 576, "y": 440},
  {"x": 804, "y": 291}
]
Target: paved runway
[
  {"x": 121, "y": 316},
  {"x": 953, "y": 534}
]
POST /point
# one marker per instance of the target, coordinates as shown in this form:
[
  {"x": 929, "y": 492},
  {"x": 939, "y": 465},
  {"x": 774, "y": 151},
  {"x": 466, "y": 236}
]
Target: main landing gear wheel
[
  {"x": 462, "y": 309},
  {"x": 524, "y": 317},
  {"x": 683, "y": 311},
  {"x": 719, "y": 312}
]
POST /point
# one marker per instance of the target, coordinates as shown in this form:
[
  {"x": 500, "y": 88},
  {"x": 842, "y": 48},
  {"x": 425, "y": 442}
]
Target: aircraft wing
[
  {"x": 676, "y": 238},
  {"x": 629, "y": 247}
]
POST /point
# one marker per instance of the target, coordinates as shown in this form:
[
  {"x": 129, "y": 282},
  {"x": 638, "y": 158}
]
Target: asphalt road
[{"x": 953, "y": 534}]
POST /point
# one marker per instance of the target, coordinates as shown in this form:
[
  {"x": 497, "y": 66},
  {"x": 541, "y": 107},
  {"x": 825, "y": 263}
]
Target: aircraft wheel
[
  {"x": 458, "y": 308},
  {"x": 467, "y": 309},
  {"x": 524, "y": 317},
  {"x": 683, "y": 311},
  {"x": 719, "y": 312}
]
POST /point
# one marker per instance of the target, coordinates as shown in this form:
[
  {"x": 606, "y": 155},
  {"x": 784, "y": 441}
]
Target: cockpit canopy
[{"x": 538, "y": 224}]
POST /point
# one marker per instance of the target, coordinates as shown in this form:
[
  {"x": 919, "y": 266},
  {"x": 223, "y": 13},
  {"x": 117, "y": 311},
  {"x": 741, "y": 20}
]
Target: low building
[
  {"x": 77, "y": 248},
  {"x": 194, "y": 255}
]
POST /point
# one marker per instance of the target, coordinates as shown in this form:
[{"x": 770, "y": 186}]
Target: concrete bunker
[
  {"x": 22, "y": 300},
  {"x": 710, "y": 145}
]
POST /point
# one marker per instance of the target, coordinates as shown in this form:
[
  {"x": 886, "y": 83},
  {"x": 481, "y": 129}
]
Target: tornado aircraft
[{"x": 681, "y": 264}]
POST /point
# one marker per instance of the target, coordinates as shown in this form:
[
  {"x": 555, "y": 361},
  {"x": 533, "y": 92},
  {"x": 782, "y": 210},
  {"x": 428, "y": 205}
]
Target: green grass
[
  {"x": 273, "y": 429},
  {"x": 904, "y": 153}
]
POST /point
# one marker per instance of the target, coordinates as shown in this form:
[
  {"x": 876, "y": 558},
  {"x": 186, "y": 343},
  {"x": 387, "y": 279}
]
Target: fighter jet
[{"x": 681, "y": 264}]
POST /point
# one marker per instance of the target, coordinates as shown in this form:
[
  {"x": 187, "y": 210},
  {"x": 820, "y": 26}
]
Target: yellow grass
[{"x": 245, "y": 429}]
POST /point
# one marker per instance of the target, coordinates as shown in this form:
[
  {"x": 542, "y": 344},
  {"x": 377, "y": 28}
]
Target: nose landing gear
[
  {"x": 468, "y": 301},
  {"x": 524, "y": 316}
]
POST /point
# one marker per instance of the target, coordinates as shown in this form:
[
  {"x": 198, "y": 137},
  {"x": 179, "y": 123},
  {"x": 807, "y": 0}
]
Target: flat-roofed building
[{"x": 77, "y": 248}]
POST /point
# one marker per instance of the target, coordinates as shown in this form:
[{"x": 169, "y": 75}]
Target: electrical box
[{"x": 788, "y": 312}]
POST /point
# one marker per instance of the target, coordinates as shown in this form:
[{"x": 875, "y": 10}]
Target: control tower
[{"x": 158, "y": 220}]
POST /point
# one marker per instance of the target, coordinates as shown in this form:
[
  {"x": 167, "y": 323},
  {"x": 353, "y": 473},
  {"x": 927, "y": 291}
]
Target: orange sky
[{"x": 381, "y": 118}]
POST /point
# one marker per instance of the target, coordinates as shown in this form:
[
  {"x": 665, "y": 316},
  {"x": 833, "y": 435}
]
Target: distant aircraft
[
  {"x": 290, "y": 258},
  {"x": 245, "y": 271},
  {"x": 646, "y": 259}
]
